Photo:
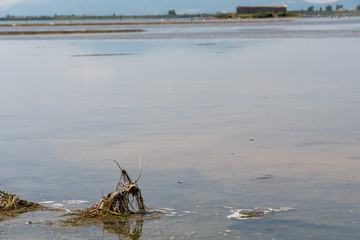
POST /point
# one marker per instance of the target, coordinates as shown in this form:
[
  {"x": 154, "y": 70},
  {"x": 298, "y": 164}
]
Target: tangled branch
[{"x": 125, "y": 200}]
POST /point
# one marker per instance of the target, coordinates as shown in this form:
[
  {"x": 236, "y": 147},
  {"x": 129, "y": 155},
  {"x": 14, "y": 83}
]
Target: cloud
[
  {"x": 4, "y": 3},
  {"x": 321, "y": 1}
]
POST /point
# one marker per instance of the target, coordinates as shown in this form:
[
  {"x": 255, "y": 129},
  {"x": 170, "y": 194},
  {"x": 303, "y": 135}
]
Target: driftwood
[{"x": 126, "y": 200}]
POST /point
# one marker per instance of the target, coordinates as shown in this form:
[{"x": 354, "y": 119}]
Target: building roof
[{"x": 273, "y": 6}]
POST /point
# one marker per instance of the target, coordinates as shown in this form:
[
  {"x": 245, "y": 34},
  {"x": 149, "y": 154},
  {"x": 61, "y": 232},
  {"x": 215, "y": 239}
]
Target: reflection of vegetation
[
  {"x": 124, "y": 227},
  {"x": 11, "y": 205}
]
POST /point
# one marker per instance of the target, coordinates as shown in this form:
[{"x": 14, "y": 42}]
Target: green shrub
[
  {"x": 287, "y": 14},
  {"x": 263, "y": 15},
  {"x": 224, "y": 15}
]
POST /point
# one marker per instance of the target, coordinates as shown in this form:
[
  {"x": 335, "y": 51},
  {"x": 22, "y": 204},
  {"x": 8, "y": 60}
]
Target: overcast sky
[{"x": 128, "y": 7}]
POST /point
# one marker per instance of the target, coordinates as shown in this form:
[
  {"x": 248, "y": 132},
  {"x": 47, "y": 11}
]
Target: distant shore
[
  {"x": 95, "y": 31},
  {"x": 72, "y": 24}
]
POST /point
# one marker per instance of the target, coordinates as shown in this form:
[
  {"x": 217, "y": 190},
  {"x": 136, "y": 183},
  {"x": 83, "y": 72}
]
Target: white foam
[
  {"x": 166, "y": 209},
  {"x": 77, "y": 201},
  {"x": 189, "y": 212},
  {"x": 58, "y": 205},
  {"x": 227, "y": 207},
  {"x": 46, "y": 202},
  {"x": 171, "y": 214}
]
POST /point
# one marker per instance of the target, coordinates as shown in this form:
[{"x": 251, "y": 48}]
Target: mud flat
[{"x": 84, "y": 31}]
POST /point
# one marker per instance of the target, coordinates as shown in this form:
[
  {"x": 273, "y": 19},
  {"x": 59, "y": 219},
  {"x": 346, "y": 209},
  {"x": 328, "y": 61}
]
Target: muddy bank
[{"x": 84, "y": 31}]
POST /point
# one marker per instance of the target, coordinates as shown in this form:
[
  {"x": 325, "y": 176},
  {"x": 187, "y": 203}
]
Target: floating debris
[
  {"x": 12, "y": 205},
  {"x": 121, "y": 201},
  {"x": 256, "y": 213},
  {"x": 267, "y": 176},
  {"x": 12, "y": 202}
]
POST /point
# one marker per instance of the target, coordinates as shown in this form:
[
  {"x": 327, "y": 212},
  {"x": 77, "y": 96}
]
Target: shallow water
[{"x": 249, "y": 116}]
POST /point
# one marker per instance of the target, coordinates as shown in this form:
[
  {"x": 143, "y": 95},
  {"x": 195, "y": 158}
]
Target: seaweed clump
[
  {"x": 12, "y": 205},
  {"x": 125, "y": 201}
]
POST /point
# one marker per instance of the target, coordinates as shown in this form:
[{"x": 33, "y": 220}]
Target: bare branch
[
  {"x": 139, "y": 172},
  {"x": 118, "y": 164}
]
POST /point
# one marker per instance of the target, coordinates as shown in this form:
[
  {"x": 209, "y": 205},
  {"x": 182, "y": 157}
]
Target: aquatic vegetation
[
  {"x": 11, "y": 205},
  {"x": 13, "y": 202}
]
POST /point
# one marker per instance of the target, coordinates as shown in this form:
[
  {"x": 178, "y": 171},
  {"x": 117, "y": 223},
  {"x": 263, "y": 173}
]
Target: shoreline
[{"x": 52, "y": 24}]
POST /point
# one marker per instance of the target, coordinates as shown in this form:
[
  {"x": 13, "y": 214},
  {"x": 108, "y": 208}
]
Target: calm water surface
[{"x": 248, "y": 116}]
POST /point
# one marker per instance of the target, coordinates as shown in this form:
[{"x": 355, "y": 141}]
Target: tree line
[{"x": 329, "y": 8}]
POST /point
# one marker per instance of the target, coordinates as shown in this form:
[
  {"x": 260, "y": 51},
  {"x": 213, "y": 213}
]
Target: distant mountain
[{"x": 140, "y": 7}]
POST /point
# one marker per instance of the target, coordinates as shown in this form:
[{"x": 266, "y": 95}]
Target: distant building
[{"x": 260, "y": 9}]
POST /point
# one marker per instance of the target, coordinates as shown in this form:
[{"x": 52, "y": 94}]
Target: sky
[{"x": 139, "y": 7}]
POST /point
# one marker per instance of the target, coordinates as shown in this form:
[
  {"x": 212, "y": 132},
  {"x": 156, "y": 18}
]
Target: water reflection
[
  {"x": 241, "y": 120},
  {"x": 125, "y": 229}
]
